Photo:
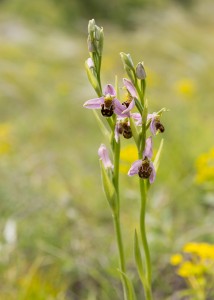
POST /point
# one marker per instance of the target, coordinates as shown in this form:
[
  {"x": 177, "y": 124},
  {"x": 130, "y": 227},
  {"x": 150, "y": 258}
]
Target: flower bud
[
  {"x": 91, "y": 47},
  {"x": 97, "y": 32},
  {"x": 140, "y": 71},
  {"x": 100, "y": 46},
  {"x": 90, "y": 63},
  {"x": 91, "y": 26},
  {"x": 127, "y": 60}
]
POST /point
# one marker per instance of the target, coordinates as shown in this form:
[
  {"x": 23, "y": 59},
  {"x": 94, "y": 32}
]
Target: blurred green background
[{"x": 57, "y": 239}]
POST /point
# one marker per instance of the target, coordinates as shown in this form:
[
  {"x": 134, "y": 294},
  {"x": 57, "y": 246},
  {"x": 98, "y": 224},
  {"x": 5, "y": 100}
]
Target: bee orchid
[
  {"x": 152, "y": 119},
  {"x": 122, "y": 127},
  {"x": 144, "y": 167},
  {"x": 108, "y": 103}
]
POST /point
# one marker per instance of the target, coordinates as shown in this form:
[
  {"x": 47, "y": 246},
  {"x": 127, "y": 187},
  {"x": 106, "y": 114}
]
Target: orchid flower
[
  {"x": 144, "y": 167},
  {"x": 154, "y": 119},
  {"x": 128, "y": 105},
  {"x": 122, "y": 127},
  {"x": 155, "y": 124},
  {"x": 104, "y": 156},
  {"x": 108, "y": 103}
]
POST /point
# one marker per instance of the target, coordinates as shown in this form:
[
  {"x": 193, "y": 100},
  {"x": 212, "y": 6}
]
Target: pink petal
[
  {"x": 148, "y": 148},
  {"x": 119, "y": 108},
  {"x": 116, "y": 132},
  {"x": 151, "y": 116},
  {"x": 94, "y": 103},
  {"x": 109, "y": 89},
  {"x": 104, "y": 156},
  {"x": 137, "y": 118},
  {"x": 135, "y": 167},
  {"x": 130, "y": 87},
  {"x": 153, "y": 127},
  {"x": 131, "y": 105},
  {"x": 153, "y": 174}
]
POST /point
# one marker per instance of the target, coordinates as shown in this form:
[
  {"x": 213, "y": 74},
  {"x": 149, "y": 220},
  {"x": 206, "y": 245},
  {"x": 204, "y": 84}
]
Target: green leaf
[
  {"x": 134, "y": 132},
  {"x": 139, "y": 106},
  {"x": 157, "y": 157},
  {"x": 117, "y": 87},
  {"x": 93, "y": 79},
  {"x": 145, "y": 112},
  {"x": 108, "y": 188},
  {"x": 129, "y": 285}
]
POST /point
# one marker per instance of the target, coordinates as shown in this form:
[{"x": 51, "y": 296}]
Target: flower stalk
[{"x": 123, "y": 123}]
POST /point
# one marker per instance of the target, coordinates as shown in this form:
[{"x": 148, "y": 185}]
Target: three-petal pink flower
[
  {"x": 144, "y": 167},
  {"x": 154, "y": 119},
  {"x": 108, "y": 103}
]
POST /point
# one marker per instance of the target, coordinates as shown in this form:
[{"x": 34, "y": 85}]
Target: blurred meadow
[{"x": 57, "y": 239}]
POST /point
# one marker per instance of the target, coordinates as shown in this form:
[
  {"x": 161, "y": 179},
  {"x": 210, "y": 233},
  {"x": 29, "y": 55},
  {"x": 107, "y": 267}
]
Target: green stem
[
  {"x": 116, "y": 216},
  {"x": 116, "y": 149},
  {"x": 143, "y": 193},
  {"x": 121, "y": 256}
]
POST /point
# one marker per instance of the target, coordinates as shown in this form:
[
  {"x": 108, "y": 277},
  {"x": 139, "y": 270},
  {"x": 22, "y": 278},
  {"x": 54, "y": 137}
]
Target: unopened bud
[
  {"x": 140, "y": 71},
  {"x": 91, "y": 26},
  {"x": 127, "y": 60},
  {"x": 90, "y": 63},
  {"x": 100, "y": 46},
  {"x": 97, "y": 32},
  {"x": 91, "y": 47}
]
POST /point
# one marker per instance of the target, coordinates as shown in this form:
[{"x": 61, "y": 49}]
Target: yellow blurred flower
[
  {"x": 202, "y": 250},
  {"x": 189, "y": 269},
  {"x": 205, "y": 167},
  {"x": 198, "y": 262},
  {"x": 5, "y": 138},
  {"x": 128, "y": 156},
  {"x": 185, "y": 87},
  {"x": 176, "y": 259}
]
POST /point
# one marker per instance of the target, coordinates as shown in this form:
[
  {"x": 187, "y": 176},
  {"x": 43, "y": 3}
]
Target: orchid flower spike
[
  {"x": 108, "y": 103},
  {"x": 122, "y": 127},
  {"x": 144, "y": 167},
  {"x": 104, "y": 156}
]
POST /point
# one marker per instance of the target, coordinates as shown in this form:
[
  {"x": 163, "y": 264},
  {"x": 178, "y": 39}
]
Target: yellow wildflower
[
  {"x": 205, "y": 167},
  {"x": 176, "y": 259},
  {"x": 203, "y": 250},
  {"x": 188, "y": 269},
  {"x": 185, "y": 87},
  {"x": 128, "y": 156}
]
